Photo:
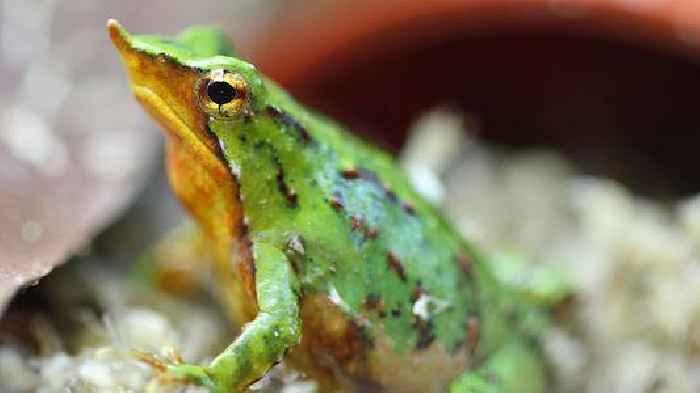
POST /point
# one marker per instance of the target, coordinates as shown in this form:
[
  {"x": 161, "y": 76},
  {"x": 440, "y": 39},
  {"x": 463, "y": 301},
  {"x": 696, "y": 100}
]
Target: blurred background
[{"x": 577, "y": 118}]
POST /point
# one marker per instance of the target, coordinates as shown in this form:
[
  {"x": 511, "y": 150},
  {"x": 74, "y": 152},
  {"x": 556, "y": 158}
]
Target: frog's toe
[
  {"x": 191, "y": 373},
  {"x": 174, "y": 370}
]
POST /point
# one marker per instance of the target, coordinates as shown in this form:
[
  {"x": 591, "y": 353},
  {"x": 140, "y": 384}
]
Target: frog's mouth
[{"x": 166, "y": 90}]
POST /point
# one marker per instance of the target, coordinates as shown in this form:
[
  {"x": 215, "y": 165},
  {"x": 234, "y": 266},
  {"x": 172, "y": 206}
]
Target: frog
[{"x": 320, "y": 246}]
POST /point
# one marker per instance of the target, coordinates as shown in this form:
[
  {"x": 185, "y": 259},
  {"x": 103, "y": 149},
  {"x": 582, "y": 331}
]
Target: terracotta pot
[{"x": 619, "y": 76}]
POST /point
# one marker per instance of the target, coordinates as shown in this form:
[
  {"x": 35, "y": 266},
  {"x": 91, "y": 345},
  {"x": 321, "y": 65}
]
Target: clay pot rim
[{"x": 362, "y": 26}]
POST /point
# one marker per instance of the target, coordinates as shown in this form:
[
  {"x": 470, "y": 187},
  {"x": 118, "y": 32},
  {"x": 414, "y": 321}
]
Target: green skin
[{"x": 366, "y": 235}]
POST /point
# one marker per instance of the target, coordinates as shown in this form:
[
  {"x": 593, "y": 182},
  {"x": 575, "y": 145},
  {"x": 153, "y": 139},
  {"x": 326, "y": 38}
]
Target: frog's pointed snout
[
  {"x": 166, "y": 90},
  {"x": 118, "y": 35}
]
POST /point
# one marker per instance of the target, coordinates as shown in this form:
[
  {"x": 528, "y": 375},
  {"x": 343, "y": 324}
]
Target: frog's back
[{"x": 376, "y": 258}]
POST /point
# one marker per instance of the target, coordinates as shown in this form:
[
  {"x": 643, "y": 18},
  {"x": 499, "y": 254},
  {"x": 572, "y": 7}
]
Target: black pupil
[{"x": 221, "y": 92}]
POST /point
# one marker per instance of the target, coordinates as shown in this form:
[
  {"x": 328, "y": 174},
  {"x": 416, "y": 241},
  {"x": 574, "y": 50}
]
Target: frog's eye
[{"x": 223, "y": 94}]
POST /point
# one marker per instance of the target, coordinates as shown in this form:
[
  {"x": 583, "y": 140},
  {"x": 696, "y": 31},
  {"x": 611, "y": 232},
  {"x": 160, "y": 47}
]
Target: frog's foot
[
  {"x": 175, "y": 370},
  {"x": 263, "y": 341}
]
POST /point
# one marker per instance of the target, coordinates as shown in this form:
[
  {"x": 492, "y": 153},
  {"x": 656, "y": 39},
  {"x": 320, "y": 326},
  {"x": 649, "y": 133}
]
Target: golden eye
[{"x": 223, "y": 94}]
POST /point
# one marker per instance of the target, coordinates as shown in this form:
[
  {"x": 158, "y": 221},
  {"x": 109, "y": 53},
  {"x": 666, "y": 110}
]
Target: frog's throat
[{"x": 175, "y": 126}]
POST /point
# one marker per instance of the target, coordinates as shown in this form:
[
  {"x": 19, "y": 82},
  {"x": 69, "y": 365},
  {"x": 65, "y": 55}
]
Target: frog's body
[{"x": 320, "y": 243}]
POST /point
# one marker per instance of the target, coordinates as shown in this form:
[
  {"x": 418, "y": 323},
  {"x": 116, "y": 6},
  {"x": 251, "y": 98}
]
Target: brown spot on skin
[
  {"x": 374, "y": 302},
  {"x": 391, "y": 195},
  {"x": 287, "y": 191},
  {"x": 395, "y": 264},
  {"x": 336, "y": 202},
  {"x": 289, "y": 121},
  {"x": 473, "y": 332},
  {"x": 425, "y": 332},
  {"x": 358, "y": 224},
  {"x": 465, "y": 263},
  {"x": 372, "y": 177},
  {"x": 372, "y": 233},
  {"x": 350, "y": 173},
  {"x": 408, "y": 208}
]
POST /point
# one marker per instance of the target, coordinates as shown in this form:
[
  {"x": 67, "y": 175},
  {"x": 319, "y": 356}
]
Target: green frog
[{"x": 320, "y": 246}]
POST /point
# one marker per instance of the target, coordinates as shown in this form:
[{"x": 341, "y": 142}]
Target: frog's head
[{"x": 187, "y": 80}]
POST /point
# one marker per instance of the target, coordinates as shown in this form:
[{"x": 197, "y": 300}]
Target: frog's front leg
[
  {"x": 516, "y": 368},
  {"x": 263, "y": 341}
]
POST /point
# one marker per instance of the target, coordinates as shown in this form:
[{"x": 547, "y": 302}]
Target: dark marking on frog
[
  {"x": 336, "y": 202},
  {"x": 294, "y": 250},
  {"x": 426, "y": 334},
  {"x": 472, "y": 334},
  {"x": 374, "y": 302},
  {"x": 408, "y": 208},
  {"x": 289, "y": 121},
  {"x": 394, "y": 264},
  {"x": 391, "y": 195},
  {"x": 369, "y": 339},
  {"x": 372, "y": 233},
  {"x": 465, "y": 263},
  {"x": 363, "y": 174},
  {"x": 164, "y": 58},
  {"x": 361, "y": 334},
  {"x": 360, "y": 225},
  {"x": 357, "y": 223},
  {"x": 372, "y": 177},
  {"x": 417, "y": 292},
  {"x": 350, "y": 173},
  {"x": 218, "y": 151},
  {"x": 247, "y": 270},
  {"x": 396, "y": 312},
  {"x": 287, "y": 191}
]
